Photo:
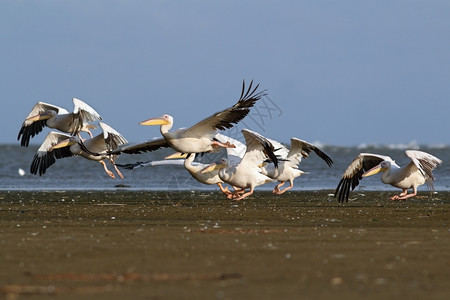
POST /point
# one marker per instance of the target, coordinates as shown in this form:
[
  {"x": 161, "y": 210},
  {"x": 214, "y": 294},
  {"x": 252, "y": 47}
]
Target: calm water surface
[{"x": 77, "y": 173}]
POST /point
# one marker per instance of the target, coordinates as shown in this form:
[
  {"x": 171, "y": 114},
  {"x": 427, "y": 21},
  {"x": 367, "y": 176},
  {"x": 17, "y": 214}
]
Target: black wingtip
[
  {"x": 342, "y": 190},
  {"x": 268, "y": 147},
  {"x": 250, "y": 96},
  {"x": 131, "y": 166},
  {"x": 323, "y": 156}
]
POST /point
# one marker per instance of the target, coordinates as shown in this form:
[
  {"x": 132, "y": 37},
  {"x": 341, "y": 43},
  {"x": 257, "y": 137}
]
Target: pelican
[
  {"x": 200, "y": 137},
  {"x": 44, "y": 114},
  {"x": 411, "y": 176},
  {"x": 59, "y": 145},
  {"x": 186, "y": 160},
  {"x": 194, "y": 168},
  {"x": 289, "y": 159},
  {"x": 247, "y": 173}
]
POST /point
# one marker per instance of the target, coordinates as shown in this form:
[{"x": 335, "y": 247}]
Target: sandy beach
[{"x": 198, "y": 245}]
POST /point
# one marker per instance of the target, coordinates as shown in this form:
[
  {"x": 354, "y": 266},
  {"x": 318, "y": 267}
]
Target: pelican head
[
  {"x": 64, "y": 143},
  {"x": 42, "y": 116},
  {"x": 383, "y": 167},
  {"x": 163, "y": 120}
]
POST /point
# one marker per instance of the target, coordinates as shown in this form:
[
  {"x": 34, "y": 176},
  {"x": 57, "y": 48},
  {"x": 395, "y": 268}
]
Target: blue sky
[{"x": 338, "y": 72}]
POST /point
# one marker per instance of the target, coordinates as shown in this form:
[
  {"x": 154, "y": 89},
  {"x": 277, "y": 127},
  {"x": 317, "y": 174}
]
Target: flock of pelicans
[{"x": 259, "y": 161}]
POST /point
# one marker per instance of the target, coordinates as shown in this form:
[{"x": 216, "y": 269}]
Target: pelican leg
[
  {"x": 224, "y": 145},
  {"x": 117, "y": 171},
  {"x": 236, "y": 193},
  {"x": 244, "y": 195},
  {"x": 287, "y": 188},
  {"x": 400, "y": 196},
  {"x": 393, "y": 198},
  {"x": 224, "y": 190},
  {"x": 405, "y": 195},
  {"x": 111, "y": 160},
  {"x": 110, "y": 174},
  {"x": 276, "y": 190},
  {"x": 239, "y": 190}
]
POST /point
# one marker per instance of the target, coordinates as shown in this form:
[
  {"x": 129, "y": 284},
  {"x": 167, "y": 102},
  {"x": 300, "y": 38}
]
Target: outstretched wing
[
  {"x": 424, "y": 162},
  {"x": 259, "y": 149},
  {"x": 146, "y": 146},
  {"x": 31, "y": 128},
  {"x": 87, "y": 113},
  {"x": 152, "y": 163},
  {"x": 353, "y": 174},
  {"x": 113, "y": 139},
  {"x": 300, "y": 148},
  {"x": 45, "y": 157},
  {"x": 82, "y": 114},
  {"x": 281, "y": 150},
  {"x": 226, "y": 119}
]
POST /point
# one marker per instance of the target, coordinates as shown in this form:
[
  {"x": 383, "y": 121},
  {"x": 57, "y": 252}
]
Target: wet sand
[{"x": 198, "y": 245}]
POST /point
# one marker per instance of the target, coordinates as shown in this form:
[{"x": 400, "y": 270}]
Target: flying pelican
[
  {"x": 411, "y": 176},
  {"x": 289, "y": 159},
  {"x": 200, "y": 137},
  {"x": 44, "y": 114},
  {"x": 247, "y": 173},
  {"x": 59, "y": 145}
]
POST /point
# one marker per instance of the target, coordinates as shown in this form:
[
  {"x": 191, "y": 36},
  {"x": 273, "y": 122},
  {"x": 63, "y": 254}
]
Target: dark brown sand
[{"x": 198, "y": 245}]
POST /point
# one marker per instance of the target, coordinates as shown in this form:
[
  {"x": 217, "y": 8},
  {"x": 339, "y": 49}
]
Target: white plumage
[
  {"x": 44, "y": 114},
  {"x": 411, "y": 176},
  {"x": 59, "y": 145},
  {"x": 247, "y": 173},
  {"x": 289, "y": 160},
  {"x": 200, "y": 137}
]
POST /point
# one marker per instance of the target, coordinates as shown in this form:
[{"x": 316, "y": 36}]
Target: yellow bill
[
  {"x": 372, "y": 171},
  {"x": 39, "y": 117},
  {"x": 213, "y": 167},
  {"x": 64, "y": 143},
  {"x": 176, "y": 155},
  {"x": 155, "y": 121}
]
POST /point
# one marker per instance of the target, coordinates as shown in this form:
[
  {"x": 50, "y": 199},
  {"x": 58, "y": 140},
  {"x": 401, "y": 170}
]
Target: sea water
[{"x": 77, "y": 173}]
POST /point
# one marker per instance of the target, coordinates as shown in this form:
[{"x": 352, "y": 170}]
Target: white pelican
[
  {"x": 411, "y": 176},
  {"x": 59, "y": 145},
  {"x": 194, "y": 168},
  {"x": 44, "y": 114},
  {"x": 289, "y": 159},
  {"x": 200, "y": 137},
  {"x": 247, "y": 173},
  {"x": 187, "y": 160}
]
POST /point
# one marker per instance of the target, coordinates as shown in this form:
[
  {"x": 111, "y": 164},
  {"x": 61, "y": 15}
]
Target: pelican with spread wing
[
  {"x": 200, "y": 137},
  {"x": 247, "y": 172},
  {"x": 59, "y": 145},
  {"x": 44, "y": 114},
  {"x": 289, "y": 159},
  {"x": 414, "y": 174}
]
